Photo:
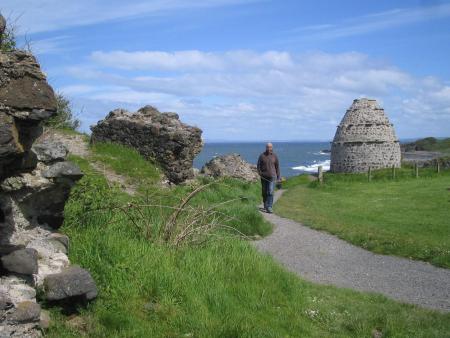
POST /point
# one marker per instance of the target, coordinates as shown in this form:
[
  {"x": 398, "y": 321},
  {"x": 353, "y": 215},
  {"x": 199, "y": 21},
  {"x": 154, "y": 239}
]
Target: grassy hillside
[
  {"x": 221, "y": 288},
  {"x": 429, "y": 144},
  {"x": 127, "y": 161},
  {"x": 407, "y": 216}
]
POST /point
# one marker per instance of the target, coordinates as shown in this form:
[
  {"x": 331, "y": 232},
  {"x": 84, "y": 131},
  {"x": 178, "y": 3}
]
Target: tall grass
[
  {"x": 228, "y": 201},
  {"x": 224, "y": 288}
]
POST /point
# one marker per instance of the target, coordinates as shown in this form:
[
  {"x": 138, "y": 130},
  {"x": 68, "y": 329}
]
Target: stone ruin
[
  {"x": 364, "y": 138},
  {"x": 35, "y": 182},
  {"x": 230, "y": 165},
  {"x": 156, "y": 136}
]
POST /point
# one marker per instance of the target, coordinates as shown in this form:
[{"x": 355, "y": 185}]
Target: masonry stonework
[{"x": 364, "y": 138}]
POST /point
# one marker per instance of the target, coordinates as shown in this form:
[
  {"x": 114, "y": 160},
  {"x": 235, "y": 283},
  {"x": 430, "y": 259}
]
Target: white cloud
[
  {"x": 192, "y": 60},
  {"x": 51, "y": 15},
  {"x": 52, "y": 45},
  {"x": 292, "y": 96},
  {"x": 374, "y": 22},
  {"x": 244, "y": 73}
]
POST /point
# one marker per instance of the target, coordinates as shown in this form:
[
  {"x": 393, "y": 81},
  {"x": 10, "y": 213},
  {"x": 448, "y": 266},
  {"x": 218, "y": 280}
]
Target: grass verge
[
  {"x": 224, "y": 288},
  {"x": 404, "y": 216}
]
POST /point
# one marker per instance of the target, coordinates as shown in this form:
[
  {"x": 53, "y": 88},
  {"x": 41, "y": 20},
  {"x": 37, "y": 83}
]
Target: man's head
[{"x": 269, "y": 148}]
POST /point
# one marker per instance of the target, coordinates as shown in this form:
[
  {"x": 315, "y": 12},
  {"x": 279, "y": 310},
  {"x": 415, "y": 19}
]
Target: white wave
[
  {"x": 314, "y": 167},
  {"x": 321, "y": 153}
]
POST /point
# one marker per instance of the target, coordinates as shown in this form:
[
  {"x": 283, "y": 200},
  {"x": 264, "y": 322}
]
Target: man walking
[{"x": 269, "y": 170}]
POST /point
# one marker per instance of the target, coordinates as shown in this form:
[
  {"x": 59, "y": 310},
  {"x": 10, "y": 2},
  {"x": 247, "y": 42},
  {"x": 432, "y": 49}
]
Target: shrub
[
  {"x": 8, "y": 39},
  {"x": 64, "y": 118}
]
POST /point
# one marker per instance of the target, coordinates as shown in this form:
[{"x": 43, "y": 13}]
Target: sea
[{"x": 295, "y": 157}]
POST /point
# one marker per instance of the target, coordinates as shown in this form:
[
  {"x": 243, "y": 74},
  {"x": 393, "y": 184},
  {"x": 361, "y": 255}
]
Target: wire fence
[{"x": 407, "y": 171}]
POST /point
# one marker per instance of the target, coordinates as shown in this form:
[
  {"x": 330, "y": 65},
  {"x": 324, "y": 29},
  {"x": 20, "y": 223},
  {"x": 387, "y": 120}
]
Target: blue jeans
[{"x": 268, "y": 187}]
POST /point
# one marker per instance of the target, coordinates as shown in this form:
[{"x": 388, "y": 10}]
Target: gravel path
[{"x": 326, "y": 259}]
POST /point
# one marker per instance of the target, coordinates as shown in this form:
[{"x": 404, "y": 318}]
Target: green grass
[
  {"x": 145, "y": 174},
  {"x": 224, "y": 288},
  {"x": 407, "y": 216},
  {"x": 296, "y": 180},
  {"x": 127, "y": 161}
]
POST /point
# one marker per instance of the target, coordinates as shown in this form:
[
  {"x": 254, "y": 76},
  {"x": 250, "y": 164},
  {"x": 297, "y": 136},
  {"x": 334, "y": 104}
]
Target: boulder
[
  {"x": 230, "y": 165},
  {"x": 63, "y": 169},
  {"x": 50, "y": 152},
  {"x": 26, "y": 312},
  {"x": 26, "y": 100},
  {"x": 161, "y": 137},
  {"x": 71, "y": 282},
  {"x": 22, "y": 261}
]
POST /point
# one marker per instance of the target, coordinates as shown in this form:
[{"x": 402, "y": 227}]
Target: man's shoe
[{"x": 269, "y": 210}]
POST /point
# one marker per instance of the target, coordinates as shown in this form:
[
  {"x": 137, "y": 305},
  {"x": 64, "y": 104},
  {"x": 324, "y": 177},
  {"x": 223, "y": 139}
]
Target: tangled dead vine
[{"x": 179, "y": 224}]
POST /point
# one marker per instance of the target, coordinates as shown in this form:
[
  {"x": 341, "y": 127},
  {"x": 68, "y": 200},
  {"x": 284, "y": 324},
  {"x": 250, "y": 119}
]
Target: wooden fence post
[
  {"x": 320, "y": 174},
  {"x": 438, "y": 166},
  {"x": 416, "y": 169},
  {"x": 369, "y": 174},
  {"x": 393, "y": 172}
]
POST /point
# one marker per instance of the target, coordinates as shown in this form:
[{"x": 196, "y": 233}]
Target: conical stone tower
[{"x": 365, "y": 138}]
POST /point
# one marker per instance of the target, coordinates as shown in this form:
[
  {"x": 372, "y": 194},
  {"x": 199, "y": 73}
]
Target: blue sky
[{"x": 247, "y": 69}]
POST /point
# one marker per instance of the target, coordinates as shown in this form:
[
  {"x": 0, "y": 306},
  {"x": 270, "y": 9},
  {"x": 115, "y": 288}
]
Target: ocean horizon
[{"x": 296, "y": 157}]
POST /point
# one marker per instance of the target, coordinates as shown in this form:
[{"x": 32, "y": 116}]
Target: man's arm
[
  {"x": 258, "y": 166},
  {"x": 277, "y": 167}
]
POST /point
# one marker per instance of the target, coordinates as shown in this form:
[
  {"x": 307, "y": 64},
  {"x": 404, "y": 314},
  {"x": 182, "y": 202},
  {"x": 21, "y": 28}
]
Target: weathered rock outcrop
[
  {"x": 230, "y": 165},
  {"x": 157, "y": 136},
  {"x": 26, "y": 100},
  {"x": 50, "y": 152},
  {"x": 365, "y": 138},
  {"x": 34, "y": 186}
]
